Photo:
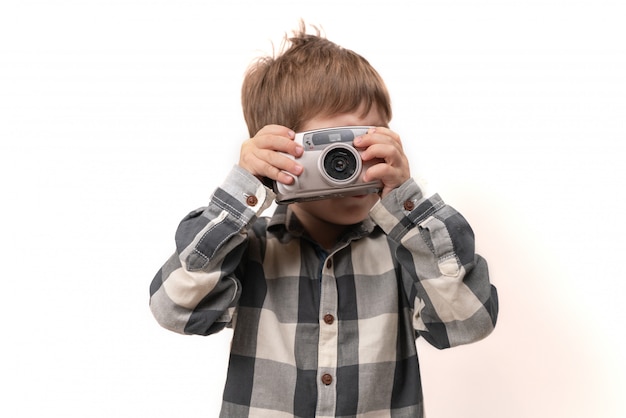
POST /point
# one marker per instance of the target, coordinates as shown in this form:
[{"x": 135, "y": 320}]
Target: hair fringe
[{"x": 309, "y": 75}]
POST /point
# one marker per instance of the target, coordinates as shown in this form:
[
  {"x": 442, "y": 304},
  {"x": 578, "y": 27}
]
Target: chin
[
  {"x": 345, "y": 220},
  {"x": 342, "y": 210},
  {"x": 351, "y": 210}
]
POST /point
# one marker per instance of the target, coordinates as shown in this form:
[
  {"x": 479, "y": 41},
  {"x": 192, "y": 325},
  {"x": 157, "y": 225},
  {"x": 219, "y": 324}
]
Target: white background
[{"x": 119, "y": 117}]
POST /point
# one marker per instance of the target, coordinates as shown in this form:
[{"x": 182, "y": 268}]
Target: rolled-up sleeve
[
  {"x": 446, "y": 282},
  {"x": 196, "y": 290}
]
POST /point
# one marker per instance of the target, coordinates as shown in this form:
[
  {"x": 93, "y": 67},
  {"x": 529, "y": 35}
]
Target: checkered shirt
[{"x": 317, "y": 333}]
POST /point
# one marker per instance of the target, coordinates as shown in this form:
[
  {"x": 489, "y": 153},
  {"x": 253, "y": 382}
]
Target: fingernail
[
  {"x": 371, "y": 130},
  {"x": 358, "y": 140},
  {"x": 299, "y": 151},
  {"x": 291, "y": 134}
]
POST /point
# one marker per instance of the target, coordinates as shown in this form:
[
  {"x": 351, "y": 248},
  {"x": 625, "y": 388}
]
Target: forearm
[
  {"x": 196, "y": 290},
  {"x": 447, "y": 283}
]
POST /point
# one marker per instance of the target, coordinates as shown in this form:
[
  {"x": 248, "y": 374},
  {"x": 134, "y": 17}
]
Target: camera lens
[{"x": 340, "y": 164}]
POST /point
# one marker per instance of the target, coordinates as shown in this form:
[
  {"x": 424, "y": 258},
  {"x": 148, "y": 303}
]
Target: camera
[{"x": 332, "y": 167}]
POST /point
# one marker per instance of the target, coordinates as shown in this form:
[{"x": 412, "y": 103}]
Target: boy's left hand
[{"x": 384, "y": 145}]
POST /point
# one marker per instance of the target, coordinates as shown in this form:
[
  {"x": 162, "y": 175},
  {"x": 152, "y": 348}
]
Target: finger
[
  {"x": 387, "y": 132},
  {"x": 274, "y": 165},
  {"x": 389, "y": 152},
  {"x": 278, "y": 143},
  {"x": 281, "y": 162},
  {"x": 390, "y": 176},
  {"x": 276, "y": 130},
  {"x": 378, "y": 137},
  {"x": 278, "y": 175}
]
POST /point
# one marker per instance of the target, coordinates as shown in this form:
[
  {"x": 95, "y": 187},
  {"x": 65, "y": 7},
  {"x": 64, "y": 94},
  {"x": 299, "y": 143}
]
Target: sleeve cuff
[
  {"x": 248, "y": 191},
  {"x": 402, "y": 208}
]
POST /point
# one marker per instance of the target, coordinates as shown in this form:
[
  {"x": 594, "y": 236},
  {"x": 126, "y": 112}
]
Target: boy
[{"x": 326, "y": 297}]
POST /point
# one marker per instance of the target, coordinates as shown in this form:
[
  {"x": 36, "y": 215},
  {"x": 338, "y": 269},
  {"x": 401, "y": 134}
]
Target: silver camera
[{"x": 332, "y": 167}]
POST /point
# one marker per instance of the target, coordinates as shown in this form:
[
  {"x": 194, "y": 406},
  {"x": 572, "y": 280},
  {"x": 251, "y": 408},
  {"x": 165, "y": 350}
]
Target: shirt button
[
  {"x": 329, "y": 319},
  {"x": 329, "y": 263},
  {"x": 252, "y": 200},
  {"x": 409, "y": 205},
  {"x": 327, "y": 379}
]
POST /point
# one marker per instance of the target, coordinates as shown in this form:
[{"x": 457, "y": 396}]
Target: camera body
[{"x": 332, "y": 167}]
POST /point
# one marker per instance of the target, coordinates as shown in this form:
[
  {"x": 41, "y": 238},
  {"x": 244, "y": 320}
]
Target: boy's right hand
[{"x": 262, "y": 155}]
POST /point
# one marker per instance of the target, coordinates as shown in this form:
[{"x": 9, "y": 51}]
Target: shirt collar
[{"x": 284, "y": 219}]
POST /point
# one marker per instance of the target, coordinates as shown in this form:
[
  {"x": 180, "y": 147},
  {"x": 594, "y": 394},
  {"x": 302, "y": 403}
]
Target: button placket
[{"x": 328, "y": 339}]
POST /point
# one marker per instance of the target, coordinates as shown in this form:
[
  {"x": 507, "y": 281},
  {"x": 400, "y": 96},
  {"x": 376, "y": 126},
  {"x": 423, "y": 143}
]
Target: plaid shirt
[{"x": 325, "y": 334}]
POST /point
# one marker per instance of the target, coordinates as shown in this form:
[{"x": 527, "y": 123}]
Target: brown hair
[{"x": 312, "y": 77}]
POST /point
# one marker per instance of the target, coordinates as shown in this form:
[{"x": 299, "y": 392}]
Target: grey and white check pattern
[{"x": 320, "y": 334}]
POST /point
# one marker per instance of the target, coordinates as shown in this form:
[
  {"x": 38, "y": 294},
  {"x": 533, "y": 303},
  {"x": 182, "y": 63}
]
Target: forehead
[{"x": 355, "y": 118}]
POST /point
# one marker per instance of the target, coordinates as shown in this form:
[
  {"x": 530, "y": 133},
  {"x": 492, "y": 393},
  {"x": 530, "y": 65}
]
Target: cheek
[
  {"x": 370, "y": 200},
  {"x": 360, "y": 206}
]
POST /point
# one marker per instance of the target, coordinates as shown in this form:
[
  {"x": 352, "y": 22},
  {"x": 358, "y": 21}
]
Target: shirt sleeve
[
  {"x": 446, "y": 282},
  {"x": 196, "y": 291}
]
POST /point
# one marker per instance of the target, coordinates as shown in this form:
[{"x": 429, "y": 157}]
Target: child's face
[{"x": 344, "y": 210}]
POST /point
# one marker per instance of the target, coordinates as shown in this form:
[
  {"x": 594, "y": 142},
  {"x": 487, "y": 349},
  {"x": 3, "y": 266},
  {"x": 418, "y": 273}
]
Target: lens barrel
[{"x": 340, "y": 163}]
